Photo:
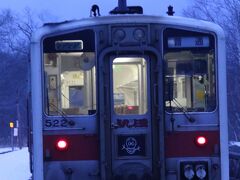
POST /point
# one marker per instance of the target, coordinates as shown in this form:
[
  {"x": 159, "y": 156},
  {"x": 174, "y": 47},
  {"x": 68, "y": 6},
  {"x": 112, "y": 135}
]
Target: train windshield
[
  {"x": 69, "y": 66},
  {"x": 190, "y": 71}
]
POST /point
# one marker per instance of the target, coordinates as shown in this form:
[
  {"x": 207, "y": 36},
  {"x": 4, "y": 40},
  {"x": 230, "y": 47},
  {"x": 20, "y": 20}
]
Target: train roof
[{"x": 58, "y": 27}]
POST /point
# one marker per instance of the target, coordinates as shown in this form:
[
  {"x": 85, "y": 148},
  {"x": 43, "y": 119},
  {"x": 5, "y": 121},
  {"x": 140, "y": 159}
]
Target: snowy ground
[{"x": 14, "y": 165}]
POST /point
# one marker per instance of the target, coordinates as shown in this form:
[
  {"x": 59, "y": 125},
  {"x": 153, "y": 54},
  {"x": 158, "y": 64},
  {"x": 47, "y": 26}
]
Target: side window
[
  {"x": 70, "y": 76},
  {"x": 190, "y": 71}
]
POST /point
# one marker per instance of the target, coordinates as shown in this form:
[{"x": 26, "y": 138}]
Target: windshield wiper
[
  {"x": 183, "y": 110},
  {"x": 63, "y": 115},
  {"x": 170, "y": 98},
  {"x": 55, "y": 107}
]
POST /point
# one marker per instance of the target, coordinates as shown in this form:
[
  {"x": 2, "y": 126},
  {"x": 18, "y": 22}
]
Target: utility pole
[
  {"x": 19, "y": 136},
  {"x": 11, "y": 125}
]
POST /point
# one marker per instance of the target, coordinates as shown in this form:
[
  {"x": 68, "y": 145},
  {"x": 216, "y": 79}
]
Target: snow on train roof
[{"x": 51, "y": 28}]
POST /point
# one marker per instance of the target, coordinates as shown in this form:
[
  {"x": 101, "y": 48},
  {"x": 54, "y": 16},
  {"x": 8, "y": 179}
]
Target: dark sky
[{"x": 75, "y": 9}]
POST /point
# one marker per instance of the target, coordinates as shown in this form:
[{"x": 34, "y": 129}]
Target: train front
[{"x": 129, "y": 97}]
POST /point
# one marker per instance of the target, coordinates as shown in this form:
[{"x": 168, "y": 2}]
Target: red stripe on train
[
  {"x": 183, "y": 144},
  {"x": 80, "y": 147}
]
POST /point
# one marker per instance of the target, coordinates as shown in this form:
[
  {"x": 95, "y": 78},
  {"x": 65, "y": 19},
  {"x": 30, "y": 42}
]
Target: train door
[{"x": 130, "y": 93}]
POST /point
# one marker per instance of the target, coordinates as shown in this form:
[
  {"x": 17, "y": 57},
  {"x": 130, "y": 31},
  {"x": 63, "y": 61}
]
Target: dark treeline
[
  {"x": 226, "y": 13},
  {"x": 13, "y": 83},
  {"x": 16, "y": 30},
  {"x": 15, "y": 35}
]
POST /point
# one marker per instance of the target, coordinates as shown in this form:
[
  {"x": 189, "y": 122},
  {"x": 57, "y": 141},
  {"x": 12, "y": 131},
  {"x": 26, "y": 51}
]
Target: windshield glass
[
  {"x": 69, "y": 66},
  {"x": 190, "y": 71}
]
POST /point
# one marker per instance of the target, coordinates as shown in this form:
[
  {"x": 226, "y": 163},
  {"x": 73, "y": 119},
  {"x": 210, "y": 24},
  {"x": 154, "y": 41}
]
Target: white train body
[{"x": 129, "y": 97}]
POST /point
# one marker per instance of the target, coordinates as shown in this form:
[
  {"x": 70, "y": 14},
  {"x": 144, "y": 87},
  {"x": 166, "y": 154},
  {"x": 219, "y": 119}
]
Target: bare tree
[
  {"x": 16, "y": 30},
  {"x": 226, "y": 13},
  {"x": 7, "y": 29},
  {"x": 25, "y": 24}
]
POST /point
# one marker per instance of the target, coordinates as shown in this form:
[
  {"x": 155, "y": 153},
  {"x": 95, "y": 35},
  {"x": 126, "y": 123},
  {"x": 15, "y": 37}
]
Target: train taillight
[
  {"x": 201, "y": 140},
  {"x": 130, "y": 107},
  {"x": 62, "y": 144}
]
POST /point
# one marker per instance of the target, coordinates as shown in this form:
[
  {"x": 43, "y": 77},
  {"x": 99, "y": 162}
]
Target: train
[{"x": 129, "y": 96}]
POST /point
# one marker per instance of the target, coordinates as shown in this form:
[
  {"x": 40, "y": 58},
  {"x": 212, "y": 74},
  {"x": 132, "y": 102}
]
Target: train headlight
[
  {"x": 139, "y": 35},
  {"x": 188, "y": 171},
  {"x": 119, "y": 35},
  {"x": 201, "y": 171}
]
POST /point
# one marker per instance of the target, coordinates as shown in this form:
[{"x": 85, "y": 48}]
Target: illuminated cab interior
[
  {"x": 190, "y": 81},
  {"x": 70, "y": 75}
]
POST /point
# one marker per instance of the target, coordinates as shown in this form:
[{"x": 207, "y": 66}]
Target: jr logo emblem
[{"x": 131, "y": 145}]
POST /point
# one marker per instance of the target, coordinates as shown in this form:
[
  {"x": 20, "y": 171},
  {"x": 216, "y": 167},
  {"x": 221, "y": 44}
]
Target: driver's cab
[{"x": 119, "y": 85}]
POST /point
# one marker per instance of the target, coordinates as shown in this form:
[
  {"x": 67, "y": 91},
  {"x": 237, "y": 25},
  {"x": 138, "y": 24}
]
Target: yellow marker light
[{"x": 11, "y": 125}]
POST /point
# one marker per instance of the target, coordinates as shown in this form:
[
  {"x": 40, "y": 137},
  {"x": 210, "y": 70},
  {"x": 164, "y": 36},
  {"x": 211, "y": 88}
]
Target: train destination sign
[
  {"x": 69, "y": 45},
  {"x": 133, "y": 123},
  {"x": 188, "y": 42}
]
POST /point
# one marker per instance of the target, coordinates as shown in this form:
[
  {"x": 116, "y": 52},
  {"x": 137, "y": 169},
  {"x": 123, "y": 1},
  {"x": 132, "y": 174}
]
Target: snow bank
[
  {"x": 14, "y": 165},
  {"x": 234, "y": 143},
  {"x": 3, "y": 150}
]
